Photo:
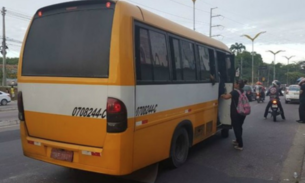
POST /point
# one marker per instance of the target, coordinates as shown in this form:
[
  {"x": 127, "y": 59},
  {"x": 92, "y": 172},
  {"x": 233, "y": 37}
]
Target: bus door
[{"x": 225, "y": 65}]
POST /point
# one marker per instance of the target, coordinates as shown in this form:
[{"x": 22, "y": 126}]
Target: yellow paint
[{"x": 138, "y": 146}]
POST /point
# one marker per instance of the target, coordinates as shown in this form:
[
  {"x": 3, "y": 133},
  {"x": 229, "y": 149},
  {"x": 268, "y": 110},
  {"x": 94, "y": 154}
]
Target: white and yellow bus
[{"x": 109, "y": 87}]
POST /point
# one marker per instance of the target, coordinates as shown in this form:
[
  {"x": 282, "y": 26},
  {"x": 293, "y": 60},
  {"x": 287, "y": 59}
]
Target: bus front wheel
[{"x": 179, "y": 148}]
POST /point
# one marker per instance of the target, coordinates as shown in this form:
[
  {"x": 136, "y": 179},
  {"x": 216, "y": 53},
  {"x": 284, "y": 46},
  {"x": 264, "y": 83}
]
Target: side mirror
[{"x": 237, "y": 72}]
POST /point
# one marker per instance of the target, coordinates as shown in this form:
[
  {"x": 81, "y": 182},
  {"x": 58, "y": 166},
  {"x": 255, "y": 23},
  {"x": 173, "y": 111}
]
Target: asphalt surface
[
  {"x": 10, "y": 106},
  {"x": 8, "y": 115},
  {"x": 269, "y": 151}
]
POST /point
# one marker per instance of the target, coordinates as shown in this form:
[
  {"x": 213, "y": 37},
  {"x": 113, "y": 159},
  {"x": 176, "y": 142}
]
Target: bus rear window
[{"x": 69, "y": 44}]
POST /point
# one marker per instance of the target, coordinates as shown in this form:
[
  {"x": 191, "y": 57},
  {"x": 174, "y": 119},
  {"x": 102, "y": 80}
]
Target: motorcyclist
[
  {"x": 274, "y": 92},
  {"x": 260, "y": 89}
]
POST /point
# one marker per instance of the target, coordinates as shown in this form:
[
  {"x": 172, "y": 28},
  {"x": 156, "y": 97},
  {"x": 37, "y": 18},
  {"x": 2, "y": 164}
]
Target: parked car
[
  {"x": 292, "y": 94},
  {"x": 249, "y": 92},
  {"x": 4, "y": 98}
]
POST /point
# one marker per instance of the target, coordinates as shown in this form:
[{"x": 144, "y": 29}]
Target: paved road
[
  {"x": 10, "y": 106},
  {"x": 268, "y": 156},
  {"x": 8, "y": 115}
]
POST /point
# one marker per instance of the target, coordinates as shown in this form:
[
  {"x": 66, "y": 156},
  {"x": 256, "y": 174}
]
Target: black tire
[
  {"x": 225, "y": 133},
  {"x": 3, "y": 102},
  {"x": 274, "y": 118},
  {"x": 286, "y": 102},
  {"x": 179, "y": 148}
]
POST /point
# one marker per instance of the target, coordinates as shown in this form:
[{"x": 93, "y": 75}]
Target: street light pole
[
  {"x": 274, "y": 53},
  {"x": 252, "y": 39},
  {"x": 194, "y": 1},
  {"x": 288, "y": 58}
]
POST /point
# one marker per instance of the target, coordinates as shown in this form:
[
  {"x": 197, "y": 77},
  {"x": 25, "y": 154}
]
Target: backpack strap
[{"x": 238, "y": 97}]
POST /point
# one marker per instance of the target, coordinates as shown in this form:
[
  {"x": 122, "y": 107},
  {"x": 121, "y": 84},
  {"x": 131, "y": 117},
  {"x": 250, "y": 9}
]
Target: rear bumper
[{"x": 107, "y": 163}]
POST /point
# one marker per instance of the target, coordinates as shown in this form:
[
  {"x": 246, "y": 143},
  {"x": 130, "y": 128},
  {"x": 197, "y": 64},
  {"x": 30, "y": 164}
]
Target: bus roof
[
  {"x": 156, "y": 21},
  {"x": 175, "y": 28}
]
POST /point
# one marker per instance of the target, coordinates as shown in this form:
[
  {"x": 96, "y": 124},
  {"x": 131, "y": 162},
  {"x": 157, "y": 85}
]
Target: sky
[{"x": 282, "y": 21}]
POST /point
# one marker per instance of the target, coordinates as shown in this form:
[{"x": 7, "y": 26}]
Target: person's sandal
[{"x": 238, "y": 148}]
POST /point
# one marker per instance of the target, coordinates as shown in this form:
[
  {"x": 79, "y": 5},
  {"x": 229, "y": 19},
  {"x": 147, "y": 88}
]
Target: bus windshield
[{"x": 69, "y": 43}]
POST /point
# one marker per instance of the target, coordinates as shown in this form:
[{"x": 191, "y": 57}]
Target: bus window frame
[{"x": 137, "y": 24}]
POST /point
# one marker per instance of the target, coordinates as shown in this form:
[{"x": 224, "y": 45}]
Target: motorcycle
[
  {"x": 259, "y": 97},
  {"x": 274, "y": 109}
]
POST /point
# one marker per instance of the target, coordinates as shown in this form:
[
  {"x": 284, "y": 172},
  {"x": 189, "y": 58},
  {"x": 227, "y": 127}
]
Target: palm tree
[{"x": 237, "y": 48}]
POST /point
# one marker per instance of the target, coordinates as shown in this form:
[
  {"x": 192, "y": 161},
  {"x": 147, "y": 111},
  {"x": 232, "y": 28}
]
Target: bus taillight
[
  {"x": 20, "y": 106},
  {"x": 108, "y": 4},
  {"x": 116, "y": 115}
]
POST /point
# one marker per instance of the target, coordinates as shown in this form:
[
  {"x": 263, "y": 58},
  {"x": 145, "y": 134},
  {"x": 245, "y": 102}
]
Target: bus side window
[
  {"x": 212, "y": 64},
  {"x": 230, "y": 68},
  {"x": 160, "y": 59},
  {"x": 204, "y": 64},
  {"x": 143, "y": 56},
  {"x": 176, "y": 63},
  {"x": 188, "y": 60},
  {"x": 222, "y": 68}
]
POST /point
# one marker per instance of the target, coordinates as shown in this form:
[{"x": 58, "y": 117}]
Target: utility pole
[
  {"x": 241, "y": 67},
  {"x": 288, "y": 58},
  {"x": 3, "y": 50},
  {"x": 194, "y": 1},
  {"x": 213, "y": 16},
  {"x": 274, "y": 53}
]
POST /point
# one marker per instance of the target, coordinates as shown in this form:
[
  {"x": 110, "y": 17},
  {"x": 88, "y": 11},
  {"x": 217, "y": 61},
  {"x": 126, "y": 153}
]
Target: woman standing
[{"x": 236, "y": 118}]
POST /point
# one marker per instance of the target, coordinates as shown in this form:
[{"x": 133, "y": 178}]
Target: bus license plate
[
  {"x": 274, "y": 106},
  {"x": 62, "y": 155}
]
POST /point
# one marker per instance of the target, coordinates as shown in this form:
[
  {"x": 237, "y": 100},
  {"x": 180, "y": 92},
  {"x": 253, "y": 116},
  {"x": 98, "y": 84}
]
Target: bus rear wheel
[{"x": 179, "y": 148}]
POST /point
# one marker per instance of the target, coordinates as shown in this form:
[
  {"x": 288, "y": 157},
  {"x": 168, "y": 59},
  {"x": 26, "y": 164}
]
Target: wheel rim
[{"x": 181, "y": 148}]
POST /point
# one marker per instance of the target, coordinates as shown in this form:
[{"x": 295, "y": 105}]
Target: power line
[
  {"x": 20, "y": 14},
  {"x": 189, "y": 6},
  {"x": 22, "y": 19},
  {"x": 10, "y": 44},
  {"x": 165, "y": 12},
  {"x": 18, "y": 11}
]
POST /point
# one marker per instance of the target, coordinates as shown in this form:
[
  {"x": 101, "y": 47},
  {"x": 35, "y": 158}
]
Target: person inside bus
[{"x": 236, "y": 118}]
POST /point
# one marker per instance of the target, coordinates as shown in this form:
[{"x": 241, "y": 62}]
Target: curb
[{"x": 9, "y": 122}]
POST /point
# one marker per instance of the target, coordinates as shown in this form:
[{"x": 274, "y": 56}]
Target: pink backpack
[{"x": 243, "y": 107}]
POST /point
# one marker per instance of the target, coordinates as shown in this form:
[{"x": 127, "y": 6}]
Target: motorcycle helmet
[
  {"x": 301, "y": 81},
  {"x": 276, "y": 83},
  {"x": 298, "y": 80}
]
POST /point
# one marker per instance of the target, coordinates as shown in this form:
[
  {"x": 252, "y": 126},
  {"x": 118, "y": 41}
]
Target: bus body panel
[
  {"x": 66, "y": 113},
  {"x": 111, "y": 160},
  {"x": 138, "y": 146},
  {"x": 157, "y": 117},
  {"x": 81, "y": 133}
]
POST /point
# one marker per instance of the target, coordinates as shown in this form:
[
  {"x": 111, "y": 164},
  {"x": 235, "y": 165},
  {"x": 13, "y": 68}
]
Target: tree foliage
[
  {"x": 286, "y": 74},
  {"x": 237, "y": 48}
]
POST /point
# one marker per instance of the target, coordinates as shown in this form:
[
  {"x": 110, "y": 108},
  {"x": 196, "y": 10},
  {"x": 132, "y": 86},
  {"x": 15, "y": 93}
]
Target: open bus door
[{"x": 226, "y": 80}]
